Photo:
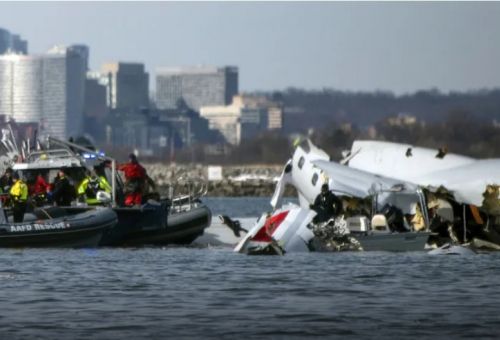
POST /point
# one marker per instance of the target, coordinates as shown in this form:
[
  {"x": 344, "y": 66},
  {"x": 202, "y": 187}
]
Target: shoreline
[{"x": 238, "y": 180}]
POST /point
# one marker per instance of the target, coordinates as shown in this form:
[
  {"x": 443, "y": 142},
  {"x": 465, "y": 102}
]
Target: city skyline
[
  {"x": 45, "y": 89},
  {"x": 399, "y": 47}
]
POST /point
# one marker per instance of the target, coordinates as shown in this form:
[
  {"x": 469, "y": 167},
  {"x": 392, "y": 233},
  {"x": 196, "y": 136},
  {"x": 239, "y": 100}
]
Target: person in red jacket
[
  {"x": 38, "y": 189},
  {"x": 135, "y": 177}
]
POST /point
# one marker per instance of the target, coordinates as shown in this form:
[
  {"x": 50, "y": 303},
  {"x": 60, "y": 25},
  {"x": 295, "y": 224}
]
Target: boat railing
[
  {"x": 52, "y": 156},
  {"x": 47, "y": 154},
  {"x": 185, "y": 193}
]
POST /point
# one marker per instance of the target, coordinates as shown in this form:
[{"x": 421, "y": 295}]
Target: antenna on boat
[
  {"x": 23, "y": 150},
  {"x": 7, "y": 141},
  {"x": 13, "y": 139}
]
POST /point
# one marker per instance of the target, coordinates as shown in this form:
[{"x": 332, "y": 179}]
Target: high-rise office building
[
  {"x": 95, "y": 97},
  {"x": 245, "y": 118},
  {"x": 19, "y": 45},
  {"x": 83, "y": 51},
  {"x": 12, "y": 43},
  {"x": 46, "y": 89},
  {"x": 196, "y": 86},
  {"x": 127, "y": 85},
  {"x": 95, "y": 107},
  {"x": 4, "y": 40}
]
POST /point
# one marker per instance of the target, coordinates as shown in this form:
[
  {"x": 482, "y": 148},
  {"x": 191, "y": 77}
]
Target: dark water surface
[{"x": 214, "y": 293}]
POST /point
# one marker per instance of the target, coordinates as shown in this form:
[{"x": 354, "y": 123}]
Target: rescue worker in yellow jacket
[
  {"x": 19, "y": 196},
  {"x": 88, "y": 188}
]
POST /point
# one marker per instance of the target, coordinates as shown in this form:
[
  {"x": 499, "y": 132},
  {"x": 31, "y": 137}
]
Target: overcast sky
[{"x": 401, "y": 47}]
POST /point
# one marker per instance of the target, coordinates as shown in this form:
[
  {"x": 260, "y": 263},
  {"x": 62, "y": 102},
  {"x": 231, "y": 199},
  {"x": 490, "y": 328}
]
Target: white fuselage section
[{"x": 466, "y": 178}]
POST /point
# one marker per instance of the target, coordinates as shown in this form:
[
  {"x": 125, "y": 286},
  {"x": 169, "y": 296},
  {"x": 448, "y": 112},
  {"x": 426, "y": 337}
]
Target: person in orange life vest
[{"x": 135, "y": 176}]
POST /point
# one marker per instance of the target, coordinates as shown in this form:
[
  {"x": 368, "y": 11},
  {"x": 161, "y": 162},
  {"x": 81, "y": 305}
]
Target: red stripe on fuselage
[{"x": 272, "y": 223}]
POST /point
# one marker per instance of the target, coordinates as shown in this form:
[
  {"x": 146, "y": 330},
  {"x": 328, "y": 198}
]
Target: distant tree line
[
  {"x": 363, "y": 109},
  {"x": 460, "y": 132},
  {"x": 465, "y": 123}
]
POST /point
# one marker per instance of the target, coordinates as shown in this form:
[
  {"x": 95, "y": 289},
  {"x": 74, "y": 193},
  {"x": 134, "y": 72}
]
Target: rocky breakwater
[{"x": 244, "y": 180}]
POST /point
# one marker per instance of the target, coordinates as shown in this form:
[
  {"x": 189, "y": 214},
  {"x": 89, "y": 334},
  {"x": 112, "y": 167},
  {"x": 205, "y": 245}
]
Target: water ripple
[
  {"x": 219, "y": 294},
  {"x": 186, "y": 293}
]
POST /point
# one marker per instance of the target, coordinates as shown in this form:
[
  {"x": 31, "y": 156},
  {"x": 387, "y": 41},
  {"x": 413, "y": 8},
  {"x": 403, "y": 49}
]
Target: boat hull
[
  {"x": 396, "y": 242},
  {"x": 73, "y": 231},
  {"x": 154, "y": 224},
  {"x": 155, "y": 227}
]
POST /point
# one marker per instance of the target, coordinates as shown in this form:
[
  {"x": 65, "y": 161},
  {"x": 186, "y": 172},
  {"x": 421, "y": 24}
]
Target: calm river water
[{"x": 177, "y": 292}]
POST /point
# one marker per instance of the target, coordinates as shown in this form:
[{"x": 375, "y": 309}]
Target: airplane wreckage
[{"x": 393, "y": 197}]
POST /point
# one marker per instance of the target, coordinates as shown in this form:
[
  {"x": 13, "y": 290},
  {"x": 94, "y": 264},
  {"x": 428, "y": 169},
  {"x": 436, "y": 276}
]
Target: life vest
[
  {"x": 92, "y": 187},
  {"x": 19, "y": 191}
]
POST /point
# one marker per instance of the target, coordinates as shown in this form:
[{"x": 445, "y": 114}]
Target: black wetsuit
[
  {"x": 6, "y": 183},
  {"x": 64, "y": 192},
  {"x": 326, "y": 205}
]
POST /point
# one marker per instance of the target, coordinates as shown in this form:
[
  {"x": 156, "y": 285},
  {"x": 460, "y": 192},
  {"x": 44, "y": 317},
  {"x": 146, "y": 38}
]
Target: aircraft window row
[
  {"x": 301, "y": 162},
  {"x": 314, "y": 179}
]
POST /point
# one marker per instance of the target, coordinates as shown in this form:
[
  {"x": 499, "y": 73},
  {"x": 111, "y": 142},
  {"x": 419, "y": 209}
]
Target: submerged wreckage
[{"x": 394, "y": 197}]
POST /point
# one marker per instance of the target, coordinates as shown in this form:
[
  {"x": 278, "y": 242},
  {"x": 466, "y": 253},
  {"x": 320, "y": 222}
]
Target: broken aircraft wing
[
  {"x": 468, "y": 183},
  {"x": 401, "y": 161},
  {"x": 468, "y": 180}
]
